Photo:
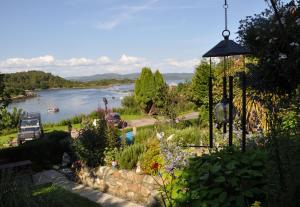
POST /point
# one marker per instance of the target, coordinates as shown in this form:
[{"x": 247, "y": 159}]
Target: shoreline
[{"x": 33, "y": 93}]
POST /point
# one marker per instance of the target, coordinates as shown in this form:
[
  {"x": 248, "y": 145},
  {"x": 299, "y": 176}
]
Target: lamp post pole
[
  {"x": 244, "y": 112},
  {"x": 210, "y": 102},
  {"x": 230, "y": 110},
  {"x": 225, "y": 92}
]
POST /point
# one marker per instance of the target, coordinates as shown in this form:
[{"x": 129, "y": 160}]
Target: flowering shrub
[
  {"x": 151, "y": 155},
  {"x": 175, "y": 158}
]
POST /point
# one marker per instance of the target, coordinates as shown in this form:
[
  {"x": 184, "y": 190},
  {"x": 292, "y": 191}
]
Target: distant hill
[
  {"x": 18, "y": 83},
  {"x": 131, "y": 76}
]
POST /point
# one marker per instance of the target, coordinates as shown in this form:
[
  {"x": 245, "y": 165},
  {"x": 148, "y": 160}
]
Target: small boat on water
[{"x": 53, "y": 110}]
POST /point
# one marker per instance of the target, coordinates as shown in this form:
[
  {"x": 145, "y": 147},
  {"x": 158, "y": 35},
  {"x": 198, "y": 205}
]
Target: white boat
[{"x": 53, "y": 110}]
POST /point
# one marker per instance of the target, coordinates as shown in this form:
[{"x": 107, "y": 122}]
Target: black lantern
[{"x": 226, "y": 48}]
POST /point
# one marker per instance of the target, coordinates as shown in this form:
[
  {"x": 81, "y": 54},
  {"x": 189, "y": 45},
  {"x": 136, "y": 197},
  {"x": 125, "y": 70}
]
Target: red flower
[{"x": 155, "y": 166}]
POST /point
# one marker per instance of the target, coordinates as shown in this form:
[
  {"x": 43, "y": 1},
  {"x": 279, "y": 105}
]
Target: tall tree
[
  {"x": 161, "y": 88},
  {"x": 200, "y": 85},
  {"x": 145, "y": 89}
]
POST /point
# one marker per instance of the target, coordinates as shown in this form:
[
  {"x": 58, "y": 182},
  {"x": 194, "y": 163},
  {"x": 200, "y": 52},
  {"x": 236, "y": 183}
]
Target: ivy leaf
[
  {"x": 222, "y": 196},
  {"x": 248, "y": 194},
  {"x": 220, "y": 179},
  {"x": 216, "y": 168}
]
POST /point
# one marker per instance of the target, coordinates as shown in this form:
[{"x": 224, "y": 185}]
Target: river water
[{"x": 72, "y": 101}]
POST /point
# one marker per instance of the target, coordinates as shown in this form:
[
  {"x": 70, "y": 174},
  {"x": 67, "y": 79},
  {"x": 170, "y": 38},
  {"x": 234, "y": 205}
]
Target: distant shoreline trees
[{"x": 18, "y": 83}]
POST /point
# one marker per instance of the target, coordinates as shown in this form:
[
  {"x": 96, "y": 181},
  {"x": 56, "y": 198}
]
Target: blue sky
[{"x": 85, "y": 37}]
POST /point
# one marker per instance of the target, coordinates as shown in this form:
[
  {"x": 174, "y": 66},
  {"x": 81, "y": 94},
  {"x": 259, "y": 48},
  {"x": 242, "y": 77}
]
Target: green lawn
[
  {"x": 129, "y": 117},
  {"x": 53, "y": 196},
  {"x": 4, "y": 139}
]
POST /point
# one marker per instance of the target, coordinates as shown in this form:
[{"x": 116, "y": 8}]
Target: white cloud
[
  {"x": 125, "y": 59},
  {"x": 15, "y": 62},
  {"x": 128, "y": 12},
  {"x": 104, "y": 60},
  {"x": 88, "y": 66},
  {"x": 181, "y": 63},
  {"x": 78, "y": 62}
]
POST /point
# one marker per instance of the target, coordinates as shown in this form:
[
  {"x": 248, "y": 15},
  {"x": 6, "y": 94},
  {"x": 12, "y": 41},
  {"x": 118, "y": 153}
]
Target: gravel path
[{"x": 151, "y": 121}]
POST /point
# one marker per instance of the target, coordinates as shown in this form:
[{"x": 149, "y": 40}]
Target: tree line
[{"x": 18, "y": 83}]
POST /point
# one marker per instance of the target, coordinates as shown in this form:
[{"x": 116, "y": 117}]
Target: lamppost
[{"x": 224, "y": 49}]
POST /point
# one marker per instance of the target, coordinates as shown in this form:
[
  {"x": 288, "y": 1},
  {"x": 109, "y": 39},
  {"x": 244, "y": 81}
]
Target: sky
[{"x": 86, "y": 37}]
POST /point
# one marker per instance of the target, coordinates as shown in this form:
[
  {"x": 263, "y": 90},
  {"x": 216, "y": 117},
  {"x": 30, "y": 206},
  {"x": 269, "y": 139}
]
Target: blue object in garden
[{"x": 129, "y": 137}]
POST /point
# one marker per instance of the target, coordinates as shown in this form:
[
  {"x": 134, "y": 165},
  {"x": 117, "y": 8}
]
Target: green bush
[
  {"x": 129, "y": 102},
  {"x": 90, "y": 145},
  {"x": 129, "y": 156},
  {"x": 183, "y": 124},
  {"x": 283, "y": 169},
  {"x": 203, "y": 116},
  {"x": 47, "y": 150},
  {"x": 225, "y": 178},
  {"x": 190, "y": 136},
  {"x": 9, "y": 120},
  {"x": 144, "y": 134},
  {"x": 110, "y": 155},
  {"x": 92, "y": 141}
]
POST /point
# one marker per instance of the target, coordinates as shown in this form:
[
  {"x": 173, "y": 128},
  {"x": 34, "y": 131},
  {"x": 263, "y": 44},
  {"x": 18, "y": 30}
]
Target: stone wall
[{"x": 122, "y": 183}]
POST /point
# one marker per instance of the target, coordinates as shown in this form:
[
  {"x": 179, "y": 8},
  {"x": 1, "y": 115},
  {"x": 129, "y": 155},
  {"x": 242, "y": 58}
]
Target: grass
[
  {"x": 129, "y": 117},
  {"x": 54, "y": 196},
  {"x": 4, "y": 139}
]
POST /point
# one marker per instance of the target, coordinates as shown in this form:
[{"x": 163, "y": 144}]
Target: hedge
[{"x": 47, "y": 150}]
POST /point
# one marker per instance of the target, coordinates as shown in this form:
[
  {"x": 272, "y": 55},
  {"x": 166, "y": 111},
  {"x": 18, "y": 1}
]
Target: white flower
[
  {"x": 170, "y": 137},
  {"x": 298, "y": 21},
  {"x": 257, "y": 38},
  {"x": 294, "y": 44},
  {"x": 160, "y": 135},
  {"x": 282, "y": 56},
  {"x": 270, "y": 41}
]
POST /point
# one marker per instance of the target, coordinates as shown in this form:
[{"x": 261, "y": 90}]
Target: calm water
[{"x": 72, "y": 101}]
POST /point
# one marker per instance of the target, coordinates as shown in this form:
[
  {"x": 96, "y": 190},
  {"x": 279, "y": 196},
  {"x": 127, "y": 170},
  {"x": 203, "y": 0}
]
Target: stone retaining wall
[{"x": 121, "y": 183}]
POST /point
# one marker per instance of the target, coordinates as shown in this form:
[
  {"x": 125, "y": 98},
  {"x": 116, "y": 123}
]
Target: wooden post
[{"x": 230, "y": 109}]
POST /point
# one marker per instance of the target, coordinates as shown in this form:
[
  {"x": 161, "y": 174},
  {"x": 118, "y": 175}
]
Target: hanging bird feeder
[{"x": 224, "y": 111}]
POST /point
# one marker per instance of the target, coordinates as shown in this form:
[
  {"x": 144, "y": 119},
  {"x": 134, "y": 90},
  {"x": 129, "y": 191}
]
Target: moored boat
[{"x": 53, "y": 110}]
